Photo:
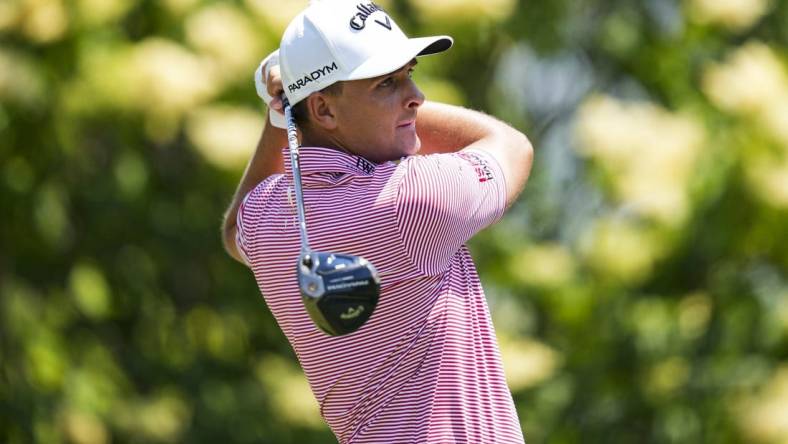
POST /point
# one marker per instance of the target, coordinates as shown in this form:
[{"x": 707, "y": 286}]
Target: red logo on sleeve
[{"x": 479, "y": 164}]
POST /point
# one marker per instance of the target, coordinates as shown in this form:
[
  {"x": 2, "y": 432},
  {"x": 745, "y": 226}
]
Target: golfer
[{"x": 403, "y": 183}]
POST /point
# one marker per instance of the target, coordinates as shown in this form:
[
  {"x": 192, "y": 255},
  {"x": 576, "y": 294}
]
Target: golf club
[{"x": 340, "y": 291}]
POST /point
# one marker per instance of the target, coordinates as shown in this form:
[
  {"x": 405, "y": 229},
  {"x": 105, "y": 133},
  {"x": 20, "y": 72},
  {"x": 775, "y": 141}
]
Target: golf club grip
[{"x": 292, "y": 141}]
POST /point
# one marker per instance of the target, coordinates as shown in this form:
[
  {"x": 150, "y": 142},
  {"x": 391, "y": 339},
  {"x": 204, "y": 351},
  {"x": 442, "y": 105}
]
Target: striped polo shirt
[{"x": 425, "y": 368}]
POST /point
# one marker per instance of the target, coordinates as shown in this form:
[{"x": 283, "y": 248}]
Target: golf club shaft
[{"x": 292, "y": 141}]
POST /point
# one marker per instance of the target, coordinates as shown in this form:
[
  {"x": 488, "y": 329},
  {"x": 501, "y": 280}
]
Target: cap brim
[{"x": 392, "y": 59}]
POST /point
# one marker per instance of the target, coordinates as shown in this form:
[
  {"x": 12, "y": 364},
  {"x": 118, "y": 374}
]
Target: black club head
[{"x": 340, "y": 291}]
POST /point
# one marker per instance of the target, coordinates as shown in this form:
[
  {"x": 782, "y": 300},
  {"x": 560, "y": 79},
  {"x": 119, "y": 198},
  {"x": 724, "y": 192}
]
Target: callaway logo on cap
[
  {"x": 359, "y": 20},
  {"x": 337, "y": 40}
]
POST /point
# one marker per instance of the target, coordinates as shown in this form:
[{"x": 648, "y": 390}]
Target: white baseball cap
[{"x": 338, "y": 40}]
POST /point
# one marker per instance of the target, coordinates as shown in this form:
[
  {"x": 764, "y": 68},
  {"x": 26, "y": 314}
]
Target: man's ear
[{"x": 322, "y": 110}]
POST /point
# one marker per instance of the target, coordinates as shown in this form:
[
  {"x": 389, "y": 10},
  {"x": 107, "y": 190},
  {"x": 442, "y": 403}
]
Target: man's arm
[
  {"x": 446, "y": 129},
  {"x": 267, "y": 160}
]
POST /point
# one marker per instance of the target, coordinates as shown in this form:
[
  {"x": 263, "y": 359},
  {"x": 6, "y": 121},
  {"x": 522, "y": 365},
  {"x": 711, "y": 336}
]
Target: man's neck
[{"x": 323, "y": 141}]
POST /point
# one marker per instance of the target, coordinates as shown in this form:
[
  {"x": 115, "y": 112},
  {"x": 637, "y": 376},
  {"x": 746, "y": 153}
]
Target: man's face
[{"x": 376, "y": 118}]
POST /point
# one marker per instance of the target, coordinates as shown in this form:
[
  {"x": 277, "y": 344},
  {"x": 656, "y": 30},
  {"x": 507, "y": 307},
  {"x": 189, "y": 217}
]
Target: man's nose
[{"x": 415, "y": 97}]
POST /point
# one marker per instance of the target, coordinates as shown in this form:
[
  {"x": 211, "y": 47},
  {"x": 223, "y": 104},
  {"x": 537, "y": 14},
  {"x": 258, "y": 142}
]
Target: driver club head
[{"x": 340, "y": 291}]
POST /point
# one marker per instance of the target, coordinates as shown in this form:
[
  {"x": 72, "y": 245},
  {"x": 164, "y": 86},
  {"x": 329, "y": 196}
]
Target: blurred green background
[{"x": 639, "y": 287}]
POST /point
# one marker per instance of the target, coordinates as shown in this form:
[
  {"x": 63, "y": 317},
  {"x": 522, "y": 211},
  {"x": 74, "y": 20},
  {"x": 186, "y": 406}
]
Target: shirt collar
[{"x": 316, "y": 160}]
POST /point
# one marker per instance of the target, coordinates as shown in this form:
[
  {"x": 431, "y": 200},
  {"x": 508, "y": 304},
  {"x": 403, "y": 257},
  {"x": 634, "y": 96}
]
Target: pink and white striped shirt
[{"x": 425, "y": 368}]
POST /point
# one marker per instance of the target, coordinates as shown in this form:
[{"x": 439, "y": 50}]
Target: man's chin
[
  {"x": 403, "y": 149},
  {"x": 414, "y": 147}
]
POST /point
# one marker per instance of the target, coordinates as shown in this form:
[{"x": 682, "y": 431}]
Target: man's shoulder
[{"x": 264, "y": 189}]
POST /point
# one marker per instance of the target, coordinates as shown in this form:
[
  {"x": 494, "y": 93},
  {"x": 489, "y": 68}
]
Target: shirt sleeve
[
  {"x": 251, "y": 214},
  {"x": 443, "y": 200},
  {"x": 241, "y": 233}
]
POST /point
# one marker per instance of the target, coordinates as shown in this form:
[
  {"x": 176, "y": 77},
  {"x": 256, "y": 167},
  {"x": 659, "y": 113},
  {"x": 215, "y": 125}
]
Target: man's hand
[
  {"x": 274, "y": 86},
  {"x": 268, "y": 82}
]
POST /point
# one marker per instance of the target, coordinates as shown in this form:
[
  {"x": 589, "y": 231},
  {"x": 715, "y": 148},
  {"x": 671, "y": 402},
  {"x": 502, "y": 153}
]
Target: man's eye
[
  {"x": 410, "y": 72},
  {"x": 388, "y": 82}
]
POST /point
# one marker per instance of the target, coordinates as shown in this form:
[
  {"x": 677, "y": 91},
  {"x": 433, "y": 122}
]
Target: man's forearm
[
  {"x": 266, "y": 160},
  {"x": 446, "y": 128}
]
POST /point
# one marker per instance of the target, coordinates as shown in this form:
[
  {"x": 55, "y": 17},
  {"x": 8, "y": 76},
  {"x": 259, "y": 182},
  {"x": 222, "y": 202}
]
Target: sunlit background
[{"x": 639, "y": 287}]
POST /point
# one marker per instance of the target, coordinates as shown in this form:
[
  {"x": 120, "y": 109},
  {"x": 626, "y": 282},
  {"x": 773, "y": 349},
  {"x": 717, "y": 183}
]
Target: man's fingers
[
  {"x": 274, "y": 82},
  {"x": 273, "y": 85},
  {"x": 276, "y": 103}
]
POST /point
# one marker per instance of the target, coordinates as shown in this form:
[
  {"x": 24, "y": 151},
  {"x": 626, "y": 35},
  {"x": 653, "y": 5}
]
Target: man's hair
[{"x": 301, "y": 114}]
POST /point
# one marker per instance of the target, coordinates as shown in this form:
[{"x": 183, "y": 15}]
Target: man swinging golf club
[{"x": 412, "y": 356}]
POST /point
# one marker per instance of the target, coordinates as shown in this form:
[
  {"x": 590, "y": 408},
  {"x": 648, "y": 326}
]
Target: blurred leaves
[{"x": 639, "y": 287}]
